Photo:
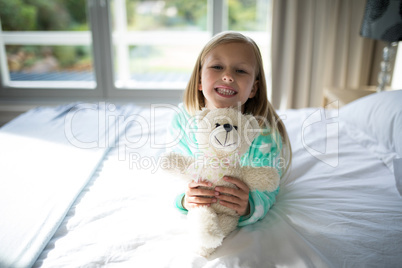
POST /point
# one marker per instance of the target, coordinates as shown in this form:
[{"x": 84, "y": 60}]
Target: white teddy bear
[{"x": 223, "y": 135}]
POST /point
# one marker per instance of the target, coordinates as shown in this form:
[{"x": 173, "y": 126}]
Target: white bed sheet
[
  {"x": 43, "y": 168},
  {"x": 338, "y": 208}
]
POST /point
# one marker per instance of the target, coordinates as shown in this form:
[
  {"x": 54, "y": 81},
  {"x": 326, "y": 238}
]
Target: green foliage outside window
[
  {"x": 43, "y": 15},
  {"x": 142, "y": 15},
  {"x": 161, "y": 15},
  {"x": 71, "y": 15}
]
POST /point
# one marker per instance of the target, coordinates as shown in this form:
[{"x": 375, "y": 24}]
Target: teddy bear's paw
[
  {"x": 205, "y": 252},
  {"x": 207, "y": 237},
  {"x": 211, "y": 238},
  {"x": 205, "y": 228}
]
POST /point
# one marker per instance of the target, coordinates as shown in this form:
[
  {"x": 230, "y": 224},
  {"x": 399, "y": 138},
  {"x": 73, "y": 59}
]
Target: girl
[{"x": 229, "y": 73}]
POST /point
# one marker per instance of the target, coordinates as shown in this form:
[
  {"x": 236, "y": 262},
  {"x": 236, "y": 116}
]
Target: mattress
[{"x": 338, "y": 207}]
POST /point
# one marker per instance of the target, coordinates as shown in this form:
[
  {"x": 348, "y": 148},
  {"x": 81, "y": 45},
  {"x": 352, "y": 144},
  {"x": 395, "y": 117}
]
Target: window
[
  {"x": 115, "y": 48},
  {"x": 48, "y": 42},
  {"x": 155, "y": 43},
  {"x": 397, "y": 79}
]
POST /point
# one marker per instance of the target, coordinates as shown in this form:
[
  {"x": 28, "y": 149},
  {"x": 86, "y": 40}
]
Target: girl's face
[{"x": 228, "y": 75}]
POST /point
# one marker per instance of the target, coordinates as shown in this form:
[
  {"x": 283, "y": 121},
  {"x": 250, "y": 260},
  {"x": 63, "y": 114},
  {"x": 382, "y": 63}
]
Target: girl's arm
[
  {"x": 260, "y": 204},
  {"x": 263, "y": 152}
]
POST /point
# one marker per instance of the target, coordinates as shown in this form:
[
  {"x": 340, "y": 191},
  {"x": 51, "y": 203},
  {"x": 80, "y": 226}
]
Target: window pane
[
  {"x": 160, "y": 65},
  {"x": 166, "y": 15},
  {"x": 49, "y": 63},
  {"x": 248, "y": 15},
  {"x": 46, "y": 41},
  {"x": 156, "y": 43},
  {"x": 396, "y": 76},
  {"x": 43, "y": 15}
]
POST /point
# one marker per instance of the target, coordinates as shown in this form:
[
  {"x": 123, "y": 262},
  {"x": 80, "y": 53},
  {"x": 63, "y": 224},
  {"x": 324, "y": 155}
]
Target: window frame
[{"x": 99, "y": 18}]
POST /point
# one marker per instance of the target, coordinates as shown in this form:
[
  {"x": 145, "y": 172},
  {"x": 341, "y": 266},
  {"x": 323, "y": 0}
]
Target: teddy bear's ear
[{"x": 201, "y": 114}]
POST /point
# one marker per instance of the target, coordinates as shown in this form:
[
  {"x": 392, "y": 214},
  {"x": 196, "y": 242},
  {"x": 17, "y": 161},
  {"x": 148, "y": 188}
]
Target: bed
[{"x": 80, "y": 187}]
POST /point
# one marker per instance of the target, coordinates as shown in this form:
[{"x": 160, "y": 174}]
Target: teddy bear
[{"x": 223, "y": 135}]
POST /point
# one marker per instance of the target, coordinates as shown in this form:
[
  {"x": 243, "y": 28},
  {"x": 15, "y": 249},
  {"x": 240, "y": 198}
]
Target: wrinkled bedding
[{"x": 338, "y": 207}]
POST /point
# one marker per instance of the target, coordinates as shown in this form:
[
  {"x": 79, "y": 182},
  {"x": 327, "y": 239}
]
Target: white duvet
[{"x": 338, "y": 208}]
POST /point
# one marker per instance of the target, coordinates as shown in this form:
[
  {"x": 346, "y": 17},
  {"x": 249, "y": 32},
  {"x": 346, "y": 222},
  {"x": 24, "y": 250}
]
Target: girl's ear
[{"x": 254, "y": 90}]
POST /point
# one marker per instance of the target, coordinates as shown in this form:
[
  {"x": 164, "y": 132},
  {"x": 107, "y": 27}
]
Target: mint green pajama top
[{"x": 264, "y": 151}]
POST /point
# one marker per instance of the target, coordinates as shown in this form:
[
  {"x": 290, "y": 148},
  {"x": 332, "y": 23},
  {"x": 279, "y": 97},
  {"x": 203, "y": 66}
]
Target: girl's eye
[
  {"x": 241, "y": 71},
  {"x": 217, "y": 125},
  {"x": 217, "y": 67}
]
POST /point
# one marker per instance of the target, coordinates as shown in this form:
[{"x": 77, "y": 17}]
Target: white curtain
[{"x": 316, "y": 44}]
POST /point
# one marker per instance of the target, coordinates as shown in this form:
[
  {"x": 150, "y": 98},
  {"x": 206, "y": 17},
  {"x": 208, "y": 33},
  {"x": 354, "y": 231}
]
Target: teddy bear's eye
[
  {"x": 217, "y": 125},
  {"x": 235, "y": 127}
]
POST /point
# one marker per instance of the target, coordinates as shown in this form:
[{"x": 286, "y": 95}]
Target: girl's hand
[
  {"x": 239, "y": 199},
  {"x": 196, "y": 197}
]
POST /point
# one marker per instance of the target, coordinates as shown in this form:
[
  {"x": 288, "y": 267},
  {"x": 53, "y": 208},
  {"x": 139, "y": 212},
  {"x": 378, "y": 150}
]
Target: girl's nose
[{"x": 227, "y": 77}]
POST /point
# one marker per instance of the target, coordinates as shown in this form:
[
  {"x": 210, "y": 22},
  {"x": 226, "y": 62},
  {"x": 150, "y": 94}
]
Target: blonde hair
[{"x": 258, "y": 106}]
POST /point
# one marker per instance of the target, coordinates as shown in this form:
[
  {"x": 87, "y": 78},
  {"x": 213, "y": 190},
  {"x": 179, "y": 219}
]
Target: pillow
[{"x": 378, "y": 118}]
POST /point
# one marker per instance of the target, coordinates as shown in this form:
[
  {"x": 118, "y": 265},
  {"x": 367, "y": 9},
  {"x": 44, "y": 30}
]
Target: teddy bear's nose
[{"x": 227, "y": 127}]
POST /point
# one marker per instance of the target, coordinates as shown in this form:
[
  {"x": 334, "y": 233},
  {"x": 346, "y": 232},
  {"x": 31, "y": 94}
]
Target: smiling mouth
[{"x": 225, "y": 91}]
